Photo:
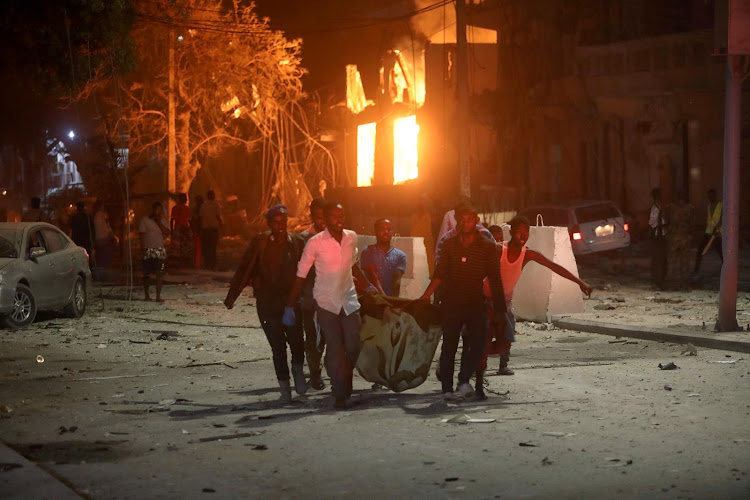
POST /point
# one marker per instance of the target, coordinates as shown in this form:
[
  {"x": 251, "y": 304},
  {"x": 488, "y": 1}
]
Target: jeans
[
  {"x": 475, "y": 335},
  {"x": 278, "y": 337},
  {"x": 312, "y": 352},
  {"x": 341, "y": 332},
  {"x": 209, "y": 240}
]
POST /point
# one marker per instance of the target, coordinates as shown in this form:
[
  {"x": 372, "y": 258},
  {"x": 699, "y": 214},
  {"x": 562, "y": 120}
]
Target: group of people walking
[{"x": 306, "y": 287}]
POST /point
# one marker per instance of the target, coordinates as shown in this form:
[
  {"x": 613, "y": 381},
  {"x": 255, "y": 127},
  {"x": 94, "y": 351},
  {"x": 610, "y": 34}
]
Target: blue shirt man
[{"x": 383, "y": 264}]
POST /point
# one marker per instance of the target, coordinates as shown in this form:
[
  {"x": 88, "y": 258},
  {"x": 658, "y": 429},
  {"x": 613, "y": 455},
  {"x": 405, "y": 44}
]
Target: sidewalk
[
  {"x": 21, "y": 479},
  {"x": 728, "y": 341}
]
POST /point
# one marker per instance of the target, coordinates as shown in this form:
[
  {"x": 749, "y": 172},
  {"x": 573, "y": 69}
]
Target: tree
[
  {"x": 237, "y": 83},
  {"x": 50, "y": 50}
]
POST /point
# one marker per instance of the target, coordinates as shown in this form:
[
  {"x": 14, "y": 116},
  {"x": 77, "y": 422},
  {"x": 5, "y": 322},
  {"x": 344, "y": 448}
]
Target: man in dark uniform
[{"x": 270, "y": 265}]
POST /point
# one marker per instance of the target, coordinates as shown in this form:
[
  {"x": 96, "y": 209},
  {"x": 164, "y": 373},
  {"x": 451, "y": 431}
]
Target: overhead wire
[{"x": 229, "y": 27}]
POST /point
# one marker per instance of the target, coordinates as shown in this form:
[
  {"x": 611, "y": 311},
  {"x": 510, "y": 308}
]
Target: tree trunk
[{"x": 186, "y": 168}]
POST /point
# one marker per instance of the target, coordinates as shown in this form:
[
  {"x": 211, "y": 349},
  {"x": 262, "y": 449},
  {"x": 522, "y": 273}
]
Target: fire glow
[
  {"x": 405, "y": 159},
  {"x": 365, "y": 154}
]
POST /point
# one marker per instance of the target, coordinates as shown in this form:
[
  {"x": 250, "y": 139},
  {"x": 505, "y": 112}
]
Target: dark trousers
[
  {"x": 716, "y": 246},
  {"x": 278, "y": 337},
  {"x": 658, "y": 259},
  {"x": 475, "y": 335},
  {"x": 209, "y": 240},
  {"x": 341, "y": 332},
  {"x": 104, "y": 251},
  {"x": 313, "y": 352}
]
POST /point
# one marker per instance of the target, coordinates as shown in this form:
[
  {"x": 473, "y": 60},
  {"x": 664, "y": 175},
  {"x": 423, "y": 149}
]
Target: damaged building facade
[{"x": 568, "y": 100}]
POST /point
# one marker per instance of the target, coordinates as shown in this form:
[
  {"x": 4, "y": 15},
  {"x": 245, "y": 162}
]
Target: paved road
[{"x": 122, "y": 408}]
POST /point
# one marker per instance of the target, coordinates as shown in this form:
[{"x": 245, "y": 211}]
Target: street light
[{"x": 71, "y": 134}]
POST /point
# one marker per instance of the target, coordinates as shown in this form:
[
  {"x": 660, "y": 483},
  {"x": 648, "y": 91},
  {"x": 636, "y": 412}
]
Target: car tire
[
  {"x": 24, "y": 309},
  {"x": 77, "y": 305}
]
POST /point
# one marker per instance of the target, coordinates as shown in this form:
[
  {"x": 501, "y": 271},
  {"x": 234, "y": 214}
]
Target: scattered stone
[
  {"x": 208, "y": 490},
  {"x": 528, "y": 445},
  {"x": 668, "y": 366},
  {"x": 450, "y": 479},
  {"x": 667, "y": 387},
  {"x": 605, "y": 307},
  {"x": 546, "y": 461},
  {"x": 667, "y": 300},
  {"x": 690, "y": 350}
]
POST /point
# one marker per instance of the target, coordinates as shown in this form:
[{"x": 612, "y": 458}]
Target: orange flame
[
  {"x": 365, "y": 154},
  {"x": 405, "y": 138}
]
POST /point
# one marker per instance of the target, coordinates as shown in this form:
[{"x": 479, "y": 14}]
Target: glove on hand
[{"x": 289, "y": 317}]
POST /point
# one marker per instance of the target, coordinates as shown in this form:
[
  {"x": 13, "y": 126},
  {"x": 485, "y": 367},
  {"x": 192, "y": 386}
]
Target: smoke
[{"x": 434, "y": 21}]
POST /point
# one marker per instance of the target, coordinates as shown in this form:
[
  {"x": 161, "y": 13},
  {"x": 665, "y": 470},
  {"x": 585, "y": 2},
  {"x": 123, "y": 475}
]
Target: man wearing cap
[
  {"x": 333, "y": 252},
  {"x": 466, "y": 260},
  {"x": 269, "y": 265}
]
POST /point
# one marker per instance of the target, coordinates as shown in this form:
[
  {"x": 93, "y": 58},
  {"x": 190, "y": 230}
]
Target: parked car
[
  {"x": 40, "y": 269},
  {"x": 594, "y": 226}
]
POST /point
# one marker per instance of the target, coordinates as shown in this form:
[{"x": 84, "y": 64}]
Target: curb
[
  {"x": 28, "y": 480},
  {"x": 657, "y": 334}
]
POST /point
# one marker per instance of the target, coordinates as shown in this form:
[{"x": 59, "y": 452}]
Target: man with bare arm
[{"x": 513, "y": 258}]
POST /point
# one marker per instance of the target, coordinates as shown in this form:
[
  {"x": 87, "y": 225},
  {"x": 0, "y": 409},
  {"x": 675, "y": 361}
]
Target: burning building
[{"x": 566, "y": 100}]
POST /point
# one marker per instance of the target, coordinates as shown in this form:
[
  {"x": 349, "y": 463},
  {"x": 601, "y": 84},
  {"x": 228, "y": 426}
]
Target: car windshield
[
  {"x": 594, "y": 213},
  {"x": 10, "y": 243}
]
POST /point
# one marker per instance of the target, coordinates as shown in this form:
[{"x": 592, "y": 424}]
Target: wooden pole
[{"x": 462, "y": 89}]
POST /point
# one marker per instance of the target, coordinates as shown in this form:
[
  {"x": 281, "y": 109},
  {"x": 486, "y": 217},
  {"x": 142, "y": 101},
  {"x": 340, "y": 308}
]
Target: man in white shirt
[
  {"x": 153, "y": 229},
  {"x": 333, "y": 252}
]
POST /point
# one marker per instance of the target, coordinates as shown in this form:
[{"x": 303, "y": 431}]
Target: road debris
[
  {"x": 6, "y": 466},
  {"x": 605, "y": 307},
  {"x": 465, "y": 419},
  {"x": 39, "y": 358},
  {"x": 558, "y": 434},
  {"x": 668, "y": 366},
  {"x": 667, "y": 387},
  {"x": 617, "y": 462},
  {"x": 528, "y": 445},
  {"x": 547, "y": 461},
  {"x": 690, "y": 350},
  {"x": 112, "y": 377},
  {"x": 225, "y": 437},
  {"x": 5, "y": 411},
  {"x": 667, "y": 300},
  {"x": 726, "y": 361},
  {"x": 64, "y": 429}
]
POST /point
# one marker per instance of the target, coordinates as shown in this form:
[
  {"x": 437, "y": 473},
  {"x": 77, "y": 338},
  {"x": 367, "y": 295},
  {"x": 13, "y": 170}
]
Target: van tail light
[
  {"x": 626, "y": 227},
  {"x": 576, "y": 234}
]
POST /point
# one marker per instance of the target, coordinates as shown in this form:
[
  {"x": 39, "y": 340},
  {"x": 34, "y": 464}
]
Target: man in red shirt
[{"x": 182, "y": 238}]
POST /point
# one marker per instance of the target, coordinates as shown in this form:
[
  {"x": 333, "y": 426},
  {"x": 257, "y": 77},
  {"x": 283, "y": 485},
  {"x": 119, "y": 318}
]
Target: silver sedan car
[{"x": 40, "y": 269}]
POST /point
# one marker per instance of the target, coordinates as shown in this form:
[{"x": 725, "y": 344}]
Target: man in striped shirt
[{"x": 466, "y": 260}]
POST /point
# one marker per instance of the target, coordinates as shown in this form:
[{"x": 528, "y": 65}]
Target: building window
[
  {"x": 618, "y": 65},
  {"x": 405, "y": 137},
  {"x": 641, "y": 60},
  {"x": 699, "y": 54},
  {"x": 660, "y": 58},
  {"x": 365, "y": 154},
  {"x": 678, "y": 56}
]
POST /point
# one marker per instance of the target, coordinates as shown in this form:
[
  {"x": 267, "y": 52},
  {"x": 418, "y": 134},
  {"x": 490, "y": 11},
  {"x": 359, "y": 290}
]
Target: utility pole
[
  {"x": 737, "y": 71},
  {"x": 171, "y": 157},
  {"x": 462, "y": 89}
]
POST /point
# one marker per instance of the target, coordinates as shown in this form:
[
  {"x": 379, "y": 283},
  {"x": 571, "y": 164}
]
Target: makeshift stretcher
[{"x": 399, "y": 339}]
